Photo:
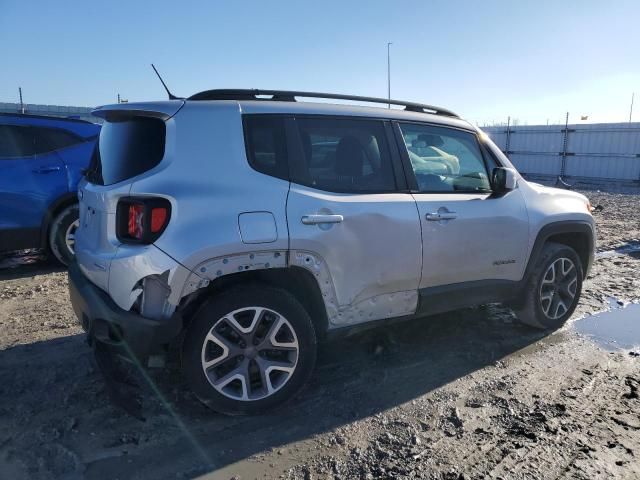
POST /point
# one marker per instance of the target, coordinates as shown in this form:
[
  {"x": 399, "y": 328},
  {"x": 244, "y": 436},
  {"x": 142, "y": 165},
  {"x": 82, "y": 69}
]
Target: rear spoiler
[{"x": 162, "y": 110}]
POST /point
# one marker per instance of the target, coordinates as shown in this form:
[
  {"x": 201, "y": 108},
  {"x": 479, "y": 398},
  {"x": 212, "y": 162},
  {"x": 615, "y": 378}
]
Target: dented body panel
[{"x": 366, "y": 263}]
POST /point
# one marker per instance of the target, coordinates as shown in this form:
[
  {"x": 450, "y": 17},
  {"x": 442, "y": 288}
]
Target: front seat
[{"x": 350, "y": 158}]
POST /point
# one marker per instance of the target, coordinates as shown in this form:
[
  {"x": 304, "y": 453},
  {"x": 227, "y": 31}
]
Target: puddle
[
  {"x": 618, "y": 328},
  {"x": 629, "y": 248}
]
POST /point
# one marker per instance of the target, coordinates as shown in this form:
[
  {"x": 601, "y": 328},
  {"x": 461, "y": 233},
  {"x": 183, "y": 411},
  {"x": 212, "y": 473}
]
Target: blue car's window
[
  {"x": 50, "y": 139},
  {"x": 127, "y": 148},
  {"x": 16, "y": 141}
]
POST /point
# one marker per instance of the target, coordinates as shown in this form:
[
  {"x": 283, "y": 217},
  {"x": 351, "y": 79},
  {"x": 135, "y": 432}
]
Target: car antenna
[{"x": 171, "y": 95}]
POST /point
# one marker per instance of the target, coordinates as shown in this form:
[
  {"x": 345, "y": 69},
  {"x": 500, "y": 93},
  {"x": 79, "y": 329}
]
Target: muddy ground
[{"x": 465, "y": 395}]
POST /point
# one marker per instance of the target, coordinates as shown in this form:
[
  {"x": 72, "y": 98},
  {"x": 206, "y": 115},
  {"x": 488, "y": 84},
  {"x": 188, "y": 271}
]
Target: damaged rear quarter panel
[
  {"x": 132, "y": 263},
  {"x": 204, "y": 224}
]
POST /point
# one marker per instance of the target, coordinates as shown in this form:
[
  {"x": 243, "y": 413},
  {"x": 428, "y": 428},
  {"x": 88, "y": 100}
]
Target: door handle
[
  {"x": 436, "y": 217},
  {"x": 47, "y": 169},
  {"x": 318, "y": 219}
]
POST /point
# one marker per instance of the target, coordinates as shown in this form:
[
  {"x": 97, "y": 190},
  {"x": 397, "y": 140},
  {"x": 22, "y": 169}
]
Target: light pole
[
  {"x": 22, "y": 104},
  {"x": 631, "y": 108},
  {"x": 389, "y": 73}
]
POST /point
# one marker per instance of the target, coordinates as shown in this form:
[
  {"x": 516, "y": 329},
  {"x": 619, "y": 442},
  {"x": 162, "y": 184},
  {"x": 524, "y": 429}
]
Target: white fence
[{"x": 599, "y": 150}]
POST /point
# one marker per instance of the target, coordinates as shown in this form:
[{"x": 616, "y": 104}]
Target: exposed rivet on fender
[
  {"x": 276, "y": 255},
  {"x": 219, "y": 272},
  {"x": 225, "y": 261},
  {"x": 252, "y": 256},
  {"x": 203, "y": 269},
  {"x": 240, "y": 268},
  {"x": 266, "y": 265}
]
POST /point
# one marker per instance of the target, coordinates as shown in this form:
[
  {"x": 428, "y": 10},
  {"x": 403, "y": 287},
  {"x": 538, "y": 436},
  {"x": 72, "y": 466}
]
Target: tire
[
  {"x": 548, "y": 304},
  {"x": 211, "y": 332},
  {"x": 62, "y": 234}
]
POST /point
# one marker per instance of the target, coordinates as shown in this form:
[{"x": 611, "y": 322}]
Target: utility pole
[
  {"x": 631, "y": 109},
  {"x": 118, "y": 98},
  {"x": 21, "y": 104},
  {"x": 565, "y": 141},
  {"x": 389, "y": 73}
]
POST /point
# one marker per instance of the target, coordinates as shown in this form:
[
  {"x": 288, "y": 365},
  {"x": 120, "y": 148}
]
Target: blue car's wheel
[{"x": 62, "y": 234}]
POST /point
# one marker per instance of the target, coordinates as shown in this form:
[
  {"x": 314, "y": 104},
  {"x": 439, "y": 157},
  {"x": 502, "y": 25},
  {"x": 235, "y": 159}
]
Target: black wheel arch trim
[{"x": 559, "y": 228}]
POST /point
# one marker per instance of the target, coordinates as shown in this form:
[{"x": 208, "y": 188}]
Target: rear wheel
[
  {"x": 249, "y": 349},
  {"x": 62, "y": 234},
  {"x": 553, "y": 289}
]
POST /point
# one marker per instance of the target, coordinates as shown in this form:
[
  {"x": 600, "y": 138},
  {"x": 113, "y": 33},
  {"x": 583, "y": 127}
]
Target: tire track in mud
[{"x": 543, "y": 458}]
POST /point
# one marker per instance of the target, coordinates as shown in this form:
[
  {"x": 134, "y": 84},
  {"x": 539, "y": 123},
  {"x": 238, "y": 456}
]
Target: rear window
[
  {"x": 266, "y": 144},
  {"x": 127, "y": 148},
  {"x": 49, "y": 139},
  {"x": 16, "y": 141}
]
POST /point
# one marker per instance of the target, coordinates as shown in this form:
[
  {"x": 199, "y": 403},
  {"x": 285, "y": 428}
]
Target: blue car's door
[{"x": 30, "y": 180}]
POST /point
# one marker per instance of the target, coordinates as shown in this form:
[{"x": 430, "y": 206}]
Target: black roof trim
[
  {"x": 45, "y": 117},
  {"x": 290, "y": 96}
]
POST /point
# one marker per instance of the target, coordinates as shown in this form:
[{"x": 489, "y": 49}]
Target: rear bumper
[{"x": 127, "y": 334}]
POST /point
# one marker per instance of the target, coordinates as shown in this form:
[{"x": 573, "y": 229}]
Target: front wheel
[
  {"x": 249, "y": 349},
  {"x": 62, "y": 234},
  {"x": 553, "y": 289}
]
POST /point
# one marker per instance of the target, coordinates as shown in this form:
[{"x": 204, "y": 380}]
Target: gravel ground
[{"x": 469, "y": 394}]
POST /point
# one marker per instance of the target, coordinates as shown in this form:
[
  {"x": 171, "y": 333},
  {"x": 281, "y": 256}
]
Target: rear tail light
[
  {"x": 159, "y": 217},
  {"x": 142, "y": 220},
  {"x": 134, "y": 222}
]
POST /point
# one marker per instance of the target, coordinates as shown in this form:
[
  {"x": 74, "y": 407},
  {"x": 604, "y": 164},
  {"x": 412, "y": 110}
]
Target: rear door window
[
  {"x": 16, "y": 141},
  {"x": 127, "y": 148},
  {"x": 344, "y": 155},
  {"x": 50, "y": 139}
]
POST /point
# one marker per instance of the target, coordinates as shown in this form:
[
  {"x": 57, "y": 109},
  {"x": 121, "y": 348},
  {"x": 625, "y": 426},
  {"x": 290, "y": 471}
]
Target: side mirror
[{"x": 503, "y": 180}]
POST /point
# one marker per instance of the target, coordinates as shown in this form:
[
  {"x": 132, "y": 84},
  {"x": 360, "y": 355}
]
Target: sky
[{"x": 532, "y": 61}]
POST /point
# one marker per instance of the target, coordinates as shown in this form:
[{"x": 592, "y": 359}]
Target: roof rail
[{"x": 290, "y": 96}]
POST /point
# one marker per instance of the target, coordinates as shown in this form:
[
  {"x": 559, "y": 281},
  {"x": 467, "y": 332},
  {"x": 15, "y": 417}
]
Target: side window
[
  {"x": 344, "y": 155},
  {"x": 49, "y": 139},
  {"x": 445, "y": 160},
  {"x": 16, "y": 141},
  {"x": 266, "y": 144}
]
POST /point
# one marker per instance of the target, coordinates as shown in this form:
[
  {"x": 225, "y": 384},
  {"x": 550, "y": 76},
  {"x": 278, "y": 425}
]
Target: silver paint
[
  {"x": 230, "y": 264},
  {"x": 465, "y": 246},
  {"x": 375, "y": 307},
  {"x": 257, "y": 227},
  {"x": 370, "y": 253}
]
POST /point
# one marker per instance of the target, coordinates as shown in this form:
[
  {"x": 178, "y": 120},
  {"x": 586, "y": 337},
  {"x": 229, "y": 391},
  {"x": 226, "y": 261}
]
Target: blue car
[{"x": 41, "y": 161}]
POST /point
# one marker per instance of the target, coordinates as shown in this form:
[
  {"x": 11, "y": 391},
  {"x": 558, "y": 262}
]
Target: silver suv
[{"x": 245, "y": 227}]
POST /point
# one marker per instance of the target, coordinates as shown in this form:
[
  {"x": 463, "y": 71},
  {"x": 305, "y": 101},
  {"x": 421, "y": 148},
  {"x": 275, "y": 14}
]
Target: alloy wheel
[
  {"x": 558, "y": 288},
  {"x": 70, "y": 236},
  {"x": 250, "y": 353}
]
